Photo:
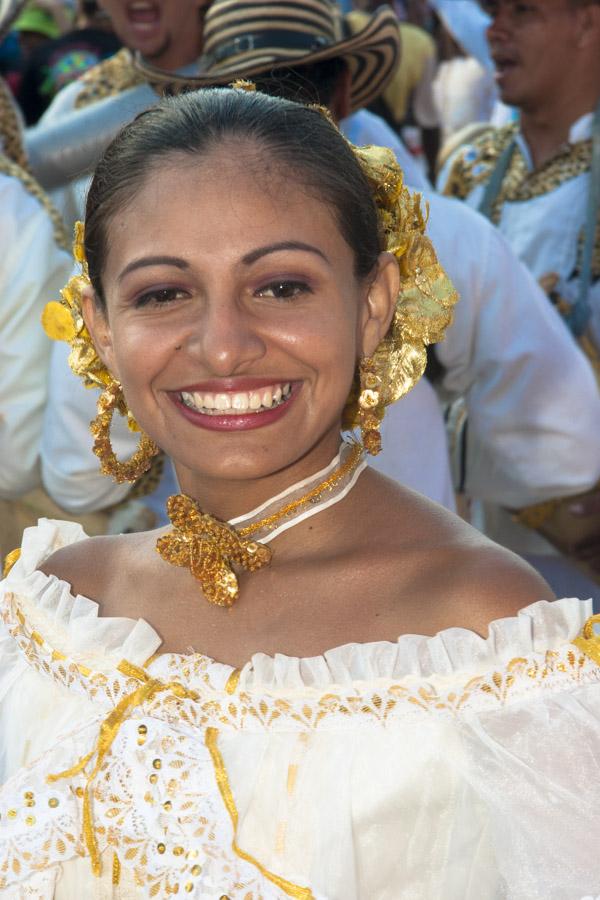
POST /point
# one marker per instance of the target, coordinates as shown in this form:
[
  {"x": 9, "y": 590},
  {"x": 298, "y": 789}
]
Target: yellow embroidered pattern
[
  {"x": 475, "y": 164},
  {"x": 150, "y": 718}
]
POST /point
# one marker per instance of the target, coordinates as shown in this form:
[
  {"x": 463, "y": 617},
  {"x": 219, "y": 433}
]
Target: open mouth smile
[
  {"x": 234, "y": 404},
  {"x": 239, "y": 410}
]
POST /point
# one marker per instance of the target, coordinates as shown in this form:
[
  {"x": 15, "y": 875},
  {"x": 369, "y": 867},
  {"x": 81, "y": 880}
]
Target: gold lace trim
[
  {"x": 110, "y": 77},
  {"x": 30, "y": 184},
  {"x": 238, "y": 709}
]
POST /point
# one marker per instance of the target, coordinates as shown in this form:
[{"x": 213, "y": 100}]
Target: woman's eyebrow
[
  {"x": 153, "y": 261},
  {"x": 254, "y": 255}
]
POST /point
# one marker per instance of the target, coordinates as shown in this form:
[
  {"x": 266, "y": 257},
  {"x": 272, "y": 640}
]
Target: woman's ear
[
  {"x": 96, "y": 321},
  {"x": 380, "y": 304}
]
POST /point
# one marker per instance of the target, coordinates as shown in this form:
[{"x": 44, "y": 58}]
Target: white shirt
[
  {"x": 33, "y": 269},
  {"x": 534, "y": 425}
]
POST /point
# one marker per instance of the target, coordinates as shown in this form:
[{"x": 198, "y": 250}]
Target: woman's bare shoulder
[
  {"x": 96, "y": 566},
  {"x": 456, "y": 575}
]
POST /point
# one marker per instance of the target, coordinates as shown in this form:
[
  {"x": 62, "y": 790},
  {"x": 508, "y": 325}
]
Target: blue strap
[{"x": 492, "y": 188}]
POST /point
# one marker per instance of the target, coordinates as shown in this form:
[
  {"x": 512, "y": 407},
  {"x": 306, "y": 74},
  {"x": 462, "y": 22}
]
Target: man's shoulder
[
  {"x": 109, "y": 77},
  {"x": 472, "y": 157}
]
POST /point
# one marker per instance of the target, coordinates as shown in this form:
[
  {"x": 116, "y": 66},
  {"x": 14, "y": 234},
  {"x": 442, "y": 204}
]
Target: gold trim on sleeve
[
  {"x": 292, "y": 890},
  {"x": 589, "y": 640}
]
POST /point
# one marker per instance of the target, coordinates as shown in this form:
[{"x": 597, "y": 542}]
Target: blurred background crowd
[{"x": 491, "y": 108}]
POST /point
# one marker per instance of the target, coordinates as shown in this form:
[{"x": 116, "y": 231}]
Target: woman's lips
[{"x": 236, "y": 410}]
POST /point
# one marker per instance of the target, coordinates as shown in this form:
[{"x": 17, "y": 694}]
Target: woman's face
[{"x": 234, "y": 319}]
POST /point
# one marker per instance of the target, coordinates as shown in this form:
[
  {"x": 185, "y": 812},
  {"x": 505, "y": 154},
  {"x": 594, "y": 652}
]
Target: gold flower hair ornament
[
  {"x": 63, "y": 321},
  {"x": 424, "y": 304}
]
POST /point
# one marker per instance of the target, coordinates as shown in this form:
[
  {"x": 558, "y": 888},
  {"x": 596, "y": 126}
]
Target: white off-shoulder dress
[{"x": 433, "y": 768}]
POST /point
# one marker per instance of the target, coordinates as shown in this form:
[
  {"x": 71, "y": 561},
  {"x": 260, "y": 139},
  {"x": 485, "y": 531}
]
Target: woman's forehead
[{"x": 222, "y": 205}]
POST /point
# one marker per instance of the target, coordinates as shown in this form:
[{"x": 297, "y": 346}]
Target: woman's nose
[{"x": 225, "y": 338}]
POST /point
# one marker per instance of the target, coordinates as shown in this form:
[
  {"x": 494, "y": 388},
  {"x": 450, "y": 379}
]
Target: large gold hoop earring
[
  {"x": 110, "y": 399},
  {"x": 370, "y": 406}
]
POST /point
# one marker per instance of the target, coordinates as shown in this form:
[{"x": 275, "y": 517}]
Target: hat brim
[
  {"x": 9, "y": 10},
  {"x": 371, "y": 55}
]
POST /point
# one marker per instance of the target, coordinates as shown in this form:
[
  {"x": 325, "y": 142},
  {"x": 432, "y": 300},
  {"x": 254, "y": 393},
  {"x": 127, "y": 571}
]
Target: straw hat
[
  {"x": 243, "y": 38},
  {"x": 9, "y": 10}
]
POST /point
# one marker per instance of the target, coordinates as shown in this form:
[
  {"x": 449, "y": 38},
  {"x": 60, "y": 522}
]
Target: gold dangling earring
[
  {"x": 110, "y": 399},
  {"x": 370, "y": 408}
]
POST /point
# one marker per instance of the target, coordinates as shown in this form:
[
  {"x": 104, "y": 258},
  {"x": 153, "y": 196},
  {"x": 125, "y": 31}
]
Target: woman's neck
[{"x": 228, "y": 498}]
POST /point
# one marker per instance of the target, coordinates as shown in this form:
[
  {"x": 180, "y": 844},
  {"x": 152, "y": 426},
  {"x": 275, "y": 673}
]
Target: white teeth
[
  {"x": 242, "y": 401},
  {"x": 239, "y": 401}
]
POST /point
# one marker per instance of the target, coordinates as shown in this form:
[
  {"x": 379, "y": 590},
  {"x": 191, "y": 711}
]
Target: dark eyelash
[
  {"x": 298, "y": 287},
  {"x": 151, "y": 297}
]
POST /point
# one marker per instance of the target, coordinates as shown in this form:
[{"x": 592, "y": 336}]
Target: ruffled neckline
[{"x": 73, "y": 626}]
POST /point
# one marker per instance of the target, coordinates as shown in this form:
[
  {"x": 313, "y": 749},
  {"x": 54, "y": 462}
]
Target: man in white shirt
[{"x": 533, "y": 178}]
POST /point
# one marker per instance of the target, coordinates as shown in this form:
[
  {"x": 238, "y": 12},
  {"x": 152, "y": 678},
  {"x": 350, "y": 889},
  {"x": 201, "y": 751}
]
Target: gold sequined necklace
[{"x": 209, "y": 548}]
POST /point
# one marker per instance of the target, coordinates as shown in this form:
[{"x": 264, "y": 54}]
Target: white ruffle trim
[{"x": 73, "y": 626}]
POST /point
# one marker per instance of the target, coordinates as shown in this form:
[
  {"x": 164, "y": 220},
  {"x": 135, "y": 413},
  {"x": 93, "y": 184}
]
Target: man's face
[
  {"x": 157, "y": 28},
  {"x": 532, "y": 43}
]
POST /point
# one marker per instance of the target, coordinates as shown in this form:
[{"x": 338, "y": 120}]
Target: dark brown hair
[{"x": 299, "y": 139}]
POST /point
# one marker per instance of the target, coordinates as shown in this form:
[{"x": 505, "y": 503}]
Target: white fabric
[
  {"x": 532, "y": 398},
  {"x": 32, "y": 271},
  {"x": 363, "y": 128},
  {"x": 424, "y": 107},
  {"x": 414, "y": 446},
  {"x": 450, "y": 766},
  {"x": 70, "y": 469},
  {"x": 465, "y": 92},
  {"x": 468, "y": 24}
]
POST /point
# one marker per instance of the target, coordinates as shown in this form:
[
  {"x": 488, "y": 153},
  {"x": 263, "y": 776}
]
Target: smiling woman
[{"x": 364, "y": 720}]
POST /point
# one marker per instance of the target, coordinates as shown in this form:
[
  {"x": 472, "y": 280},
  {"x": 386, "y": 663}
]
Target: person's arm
[
  {"x": 532, "y": 398},
  {"x": 70, "y": 471},
  {"x": 32, "y": 271}
]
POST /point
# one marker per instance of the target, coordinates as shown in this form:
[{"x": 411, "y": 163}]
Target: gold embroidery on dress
[
  {"x": 292, "y": 890},
  {"x": 150, "y": 711},
  {"x": 110, "y": 77},
  {"x": 589, "y": 640}
]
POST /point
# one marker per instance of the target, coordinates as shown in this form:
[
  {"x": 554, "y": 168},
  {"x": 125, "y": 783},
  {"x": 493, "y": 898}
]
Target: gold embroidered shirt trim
[{"x": 110, "y": 77}]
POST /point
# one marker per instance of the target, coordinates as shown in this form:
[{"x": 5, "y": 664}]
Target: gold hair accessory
[
  {"x": 424, "y": 304},
  {"x": 208, "y": 547},
  {"x": 370, "y": 406},
  {"x": 110, "y": 399},
  {"x": 63, "y": 321}
]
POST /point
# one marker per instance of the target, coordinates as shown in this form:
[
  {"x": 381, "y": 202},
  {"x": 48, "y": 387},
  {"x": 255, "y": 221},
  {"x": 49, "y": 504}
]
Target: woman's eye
[
  {"x": 283, "y": 290},
  {"x": 159, "y": 297}
]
